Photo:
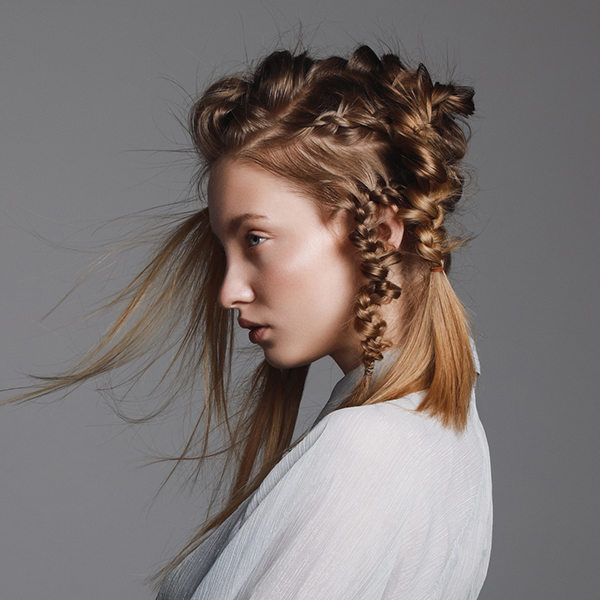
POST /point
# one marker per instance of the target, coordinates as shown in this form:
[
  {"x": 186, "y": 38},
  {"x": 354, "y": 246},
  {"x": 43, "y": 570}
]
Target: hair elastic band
[{"x": 437, "y": 269}]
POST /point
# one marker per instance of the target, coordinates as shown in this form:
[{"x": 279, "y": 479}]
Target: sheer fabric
[{"x": 376, "y": 502}]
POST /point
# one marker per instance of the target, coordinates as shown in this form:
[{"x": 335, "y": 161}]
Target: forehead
[{"x": 239, "y": 191}]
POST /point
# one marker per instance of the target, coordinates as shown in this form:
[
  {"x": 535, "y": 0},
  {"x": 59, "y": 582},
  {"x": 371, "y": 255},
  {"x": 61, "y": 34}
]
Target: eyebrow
[{"x": 234, "y": 224}]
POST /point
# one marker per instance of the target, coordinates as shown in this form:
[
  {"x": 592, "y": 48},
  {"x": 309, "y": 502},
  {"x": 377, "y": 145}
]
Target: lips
[
  {"x": 245, "y": 324},
  {"x": 257, "y": 330},
  {"x": 257, "y": 334}
]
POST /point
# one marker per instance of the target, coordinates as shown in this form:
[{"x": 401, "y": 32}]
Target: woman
[{"x": 329, "y": 184}]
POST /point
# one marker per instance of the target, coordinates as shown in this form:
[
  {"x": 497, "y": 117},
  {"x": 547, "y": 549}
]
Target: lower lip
[{"x": 257, "y": 334}]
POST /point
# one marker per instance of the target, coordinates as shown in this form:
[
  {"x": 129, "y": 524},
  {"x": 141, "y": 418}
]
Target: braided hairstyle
[
  {"x": 363, "y": 136},
  {"x": 359, "y": 135}
]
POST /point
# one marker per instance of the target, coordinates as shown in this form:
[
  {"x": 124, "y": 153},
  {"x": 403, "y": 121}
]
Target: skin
[{"x": 290, "y": 270}]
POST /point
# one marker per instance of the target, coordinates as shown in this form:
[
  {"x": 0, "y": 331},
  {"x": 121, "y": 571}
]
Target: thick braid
[
  {"x": 426, "y": 216},
  {"x": 431, "y": 145},
  {"x": 211, "y": 120},
  {"x": 376, "y": 261},
  {"x": 238, "y": 108}
]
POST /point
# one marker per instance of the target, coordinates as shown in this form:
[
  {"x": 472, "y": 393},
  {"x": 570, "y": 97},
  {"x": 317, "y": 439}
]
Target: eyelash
[
  {"x": 255, "y": 235},
  {"x": 248, "y": 236}
]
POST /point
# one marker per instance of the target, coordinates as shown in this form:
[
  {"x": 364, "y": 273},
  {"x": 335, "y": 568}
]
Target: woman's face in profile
[{"x": 287, "y": 269}]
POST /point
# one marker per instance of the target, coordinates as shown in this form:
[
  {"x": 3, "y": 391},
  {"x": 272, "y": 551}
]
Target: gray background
[{"x": 84, "y": 83}]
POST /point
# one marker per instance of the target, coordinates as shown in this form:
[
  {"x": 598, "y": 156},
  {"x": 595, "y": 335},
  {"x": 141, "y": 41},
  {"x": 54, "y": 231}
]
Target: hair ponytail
[{"x": 453, "y": 367}]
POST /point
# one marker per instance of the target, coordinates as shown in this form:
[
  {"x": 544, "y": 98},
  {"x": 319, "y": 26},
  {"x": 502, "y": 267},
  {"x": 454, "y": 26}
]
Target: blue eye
[{"x": 252, "y": 237}]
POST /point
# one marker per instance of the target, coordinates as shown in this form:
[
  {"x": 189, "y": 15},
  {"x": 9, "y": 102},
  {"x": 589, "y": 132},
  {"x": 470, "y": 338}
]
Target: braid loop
[{"x": 375, "y": 264}]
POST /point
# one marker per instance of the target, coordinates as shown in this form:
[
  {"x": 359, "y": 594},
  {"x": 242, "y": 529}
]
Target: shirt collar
[{"x": 347, "y": 383}]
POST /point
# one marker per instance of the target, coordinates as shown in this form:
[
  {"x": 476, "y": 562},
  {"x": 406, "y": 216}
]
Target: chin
[{"x": 280, "y": 362}]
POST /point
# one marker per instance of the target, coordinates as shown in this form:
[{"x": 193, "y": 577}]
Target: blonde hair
[{"x": 358, "y": 135}]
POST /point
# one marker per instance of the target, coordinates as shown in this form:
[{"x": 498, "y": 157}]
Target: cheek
[{"x": 319, "y": 280}]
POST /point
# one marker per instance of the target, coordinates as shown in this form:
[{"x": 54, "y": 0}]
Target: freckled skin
[{"x": 291, "y": 271}]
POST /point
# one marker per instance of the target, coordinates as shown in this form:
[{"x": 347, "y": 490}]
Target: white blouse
[{"x": 375, "y": 502}]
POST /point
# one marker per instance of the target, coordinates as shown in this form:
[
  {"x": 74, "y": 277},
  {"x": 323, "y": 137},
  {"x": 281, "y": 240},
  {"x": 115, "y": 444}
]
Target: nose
[{"x": 236, "y": 288}]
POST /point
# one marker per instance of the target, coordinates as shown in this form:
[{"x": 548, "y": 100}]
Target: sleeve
[{"x": 352, "y": 514}]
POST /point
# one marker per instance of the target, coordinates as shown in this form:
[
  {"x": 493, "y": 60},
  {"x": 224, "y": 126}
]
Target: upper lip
[{"x": 245, "y": 324}]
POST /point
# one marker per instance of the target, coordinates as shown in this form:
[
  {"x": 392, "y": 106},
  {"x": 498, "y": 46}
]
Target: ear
[{"x": 392, "y": 229}]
